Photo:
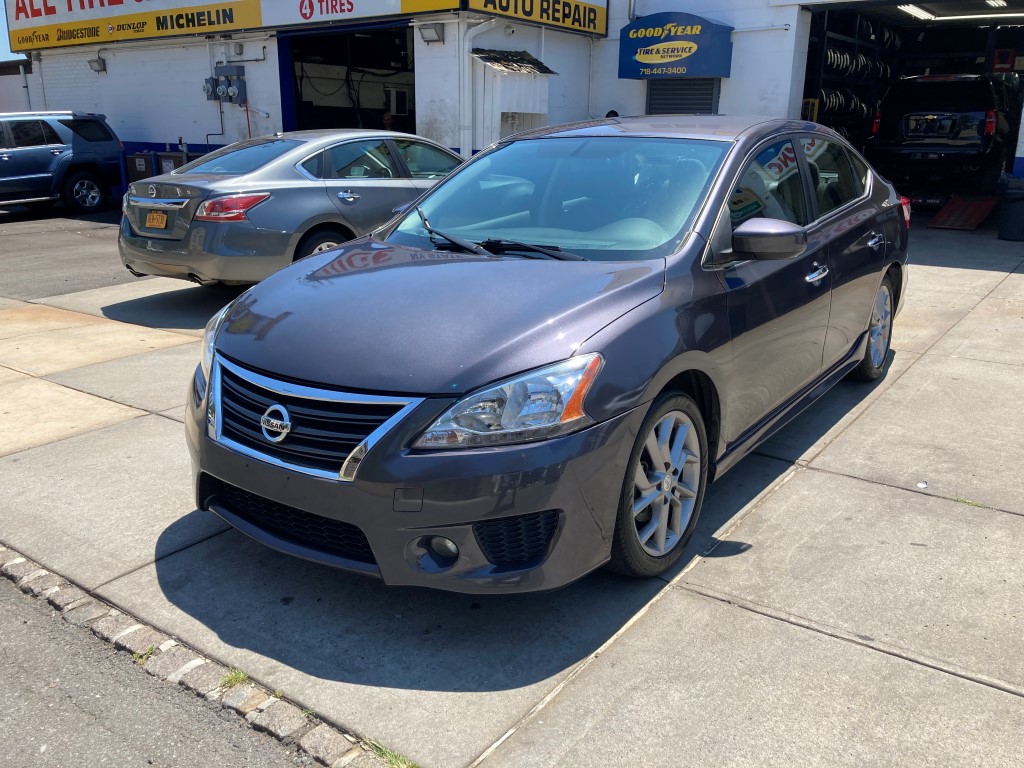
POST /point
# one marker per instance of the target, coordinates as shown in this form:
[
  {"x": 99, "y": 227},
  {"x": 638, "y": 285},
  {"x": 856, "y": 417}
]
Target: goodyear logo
[
  {"x": 665, "y": 52},
  {"x": 666, "y": 30}
]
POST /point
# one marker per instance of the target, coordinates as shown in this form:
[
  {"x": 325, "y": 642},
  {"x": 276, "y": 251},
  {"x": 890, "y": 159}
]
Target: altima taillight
[
  {"x": 990, "y": 123},
  {"x": 905, "y": 204},
  {"x": 876, "y": 123},
  {"x": 230, "y": 207}
]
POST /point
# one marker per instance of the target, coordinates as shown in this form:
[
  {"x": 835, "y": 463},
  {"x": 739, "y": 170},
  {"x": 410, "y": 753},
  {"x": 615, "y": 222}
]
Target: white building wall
[
  {"x": 152, "y": 92},
  {"x": 13, "y": 96},
  {"x": 437, "y": 85}
]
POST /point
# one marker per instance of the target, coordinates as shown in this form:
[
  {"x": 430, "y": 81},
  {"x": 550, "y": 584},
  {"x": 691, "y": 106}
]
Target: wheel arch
[
  {"x": 699, "y": 387},
  {"x": 324, "y": 225}
]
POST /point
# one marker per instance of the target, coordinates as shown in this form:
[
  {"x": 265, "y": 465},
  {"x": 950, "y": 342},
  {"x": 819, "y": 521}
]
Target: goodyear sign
[
  {"x": 590, "y": 17},
  {"x": 674, "y": 45},
  {"x": 38, "y": 24}
]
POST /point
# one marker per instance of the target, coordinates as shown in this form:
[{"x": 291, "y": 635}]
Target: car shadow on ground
[
  {"x": 338, "y": 627},
  {"x": 189, "y": 307},
  {"x": 19, "y": 213}
]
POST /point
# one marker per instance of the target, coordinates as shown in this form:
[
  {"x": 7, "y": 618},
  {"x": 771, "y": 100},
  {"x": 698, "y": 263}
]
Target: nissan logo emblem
[
  {"x": 275, "y": 423},
  {"x": 152, "y": 190}
]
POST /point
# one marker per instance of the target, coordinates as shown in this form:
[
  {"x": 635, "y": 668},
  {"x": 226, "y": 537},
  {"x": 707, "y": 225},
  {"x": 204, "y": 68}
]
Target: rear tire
[
  {"x": 83, "y": 193},
  {"x": 321, "y": 241},
  {"x": 663, "y": 489},
  {"x": 879, "y": 335}
]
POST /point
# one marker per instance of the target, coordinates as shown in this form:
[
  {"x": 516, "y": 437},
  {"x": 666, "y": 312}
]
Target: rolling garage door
[{"x": 673, "y": 96}]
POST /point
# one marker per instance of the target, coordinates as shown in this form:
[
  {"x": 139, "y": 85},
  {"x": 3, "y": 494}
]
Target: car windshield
[
  {"x": 243, "y": 157},
  {"x": 600, "y": 197}
]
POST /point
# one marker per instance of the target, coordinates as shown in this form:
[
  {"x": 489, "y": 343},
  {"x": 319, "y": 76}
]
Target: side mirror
[{"x": 769, "y": 239}]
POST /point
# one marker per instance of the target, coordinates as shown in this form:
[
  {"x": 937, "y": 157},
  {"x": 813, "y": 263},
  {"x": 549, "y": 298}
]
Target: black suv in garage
[
  {"x": 51, "y": 156},
  {"x": 945, "y": 128}
]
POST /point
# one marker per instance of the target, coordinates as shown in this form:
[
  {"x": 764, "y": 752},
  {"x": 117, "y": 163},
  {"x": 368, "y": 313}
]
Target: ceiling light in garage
[
  {"x": 996, "y": 3},
  {"x": 917, "y": 13}
]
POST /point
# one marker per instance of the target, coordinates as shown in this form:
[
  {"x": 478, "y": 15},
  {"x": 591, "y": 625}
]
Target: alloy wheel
[
  {"x": 87, "y": 194},
  {"x": 881, "y": 326},
  {"x": 666, "y": 484}
]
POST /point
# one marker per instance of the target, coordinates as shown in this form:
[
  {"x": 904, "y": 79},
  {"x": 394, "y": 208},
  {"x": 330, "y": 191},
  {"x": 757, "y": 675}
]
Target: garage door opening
[{"x": 349, "y": 79}]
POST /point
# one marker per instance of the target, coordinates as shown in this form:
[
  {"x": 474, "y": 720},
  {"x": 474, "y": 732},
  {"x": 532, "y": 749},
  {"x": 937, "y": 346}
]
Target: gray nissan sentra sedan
[
  {"x": 241, "y": 213},
  {"x": 538, "y": 369}
]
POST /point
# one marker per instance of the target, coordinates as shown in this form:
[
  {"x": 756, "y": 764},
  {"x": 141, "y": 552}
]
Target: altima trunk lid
[{"x": 163, "y": 207}]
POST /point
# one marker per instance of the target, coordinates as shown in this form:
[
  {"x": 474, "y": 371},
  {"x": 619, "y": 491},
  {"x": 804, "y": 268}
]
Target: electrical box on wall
[{"x": 228, "y": 85}]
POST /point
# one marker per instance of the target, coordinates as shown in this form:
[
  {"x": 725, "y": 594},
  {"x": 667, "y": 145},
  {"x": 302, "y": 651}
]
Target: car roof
[
  {"x": 707, "y": 127},
  {"x": 341, "y": 133},
  {"x": 55, "y": 113}
]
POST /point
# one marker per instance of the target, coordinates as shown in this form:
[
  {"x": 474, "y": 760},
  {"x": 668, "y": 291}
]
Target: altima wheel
[
  {"x": 663, "y": 489},
  {"x": 320, "y": 242},
  {"x": 879, "y": 335}
]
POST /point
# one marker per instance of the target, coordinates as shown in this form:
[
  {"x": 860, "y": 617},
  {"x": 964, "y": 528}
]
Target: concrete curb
[{"x": 168, "y": 659}]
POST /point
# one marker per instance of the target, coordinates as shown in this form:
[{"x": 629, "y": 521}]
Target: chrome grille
[{"x": 326, "y": 426}]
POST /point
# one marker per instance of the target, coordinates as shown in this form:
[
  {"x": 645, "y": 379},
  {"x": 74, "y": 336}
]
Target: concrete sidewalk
[{"x": 852, "y": 595}]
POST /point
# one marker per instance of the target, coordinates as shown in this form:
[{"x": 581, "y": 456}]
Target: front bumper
[
  {"x": 234, "y": 252},
  {"x": 570, "y": 487}
]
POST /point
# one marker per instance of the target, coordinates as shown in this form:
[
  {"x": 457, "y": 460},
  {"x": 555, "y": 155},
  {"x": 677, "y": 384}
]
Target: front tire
[
  {"x": 879, "y": 335},
  {"x": 663, "y": 489},
  {"x": 83, "y": 193}
]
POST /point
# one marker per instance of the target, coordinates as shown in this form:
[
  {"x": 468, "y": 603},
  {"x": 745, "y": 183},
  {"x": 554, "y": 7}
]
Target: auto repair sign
[{"x": 674, "y": 45}]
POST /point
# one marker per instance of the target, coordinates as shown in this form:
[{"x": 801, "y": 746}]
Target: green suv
[{"x": 51, "y": 156}]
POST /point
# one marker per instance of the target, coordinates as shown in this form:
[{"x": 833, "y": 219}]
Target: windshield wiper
[
  {"x": 465, "y": 245},
  {"x": 551, "y": 251}
]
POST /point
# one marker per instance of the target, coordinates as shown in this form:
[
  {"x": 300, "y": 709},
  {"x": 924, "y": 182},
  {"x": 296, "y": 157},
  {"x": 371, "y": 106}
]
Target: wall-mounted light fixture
[
  {"x": 431, "y": 33},
  {"x": 99, "y": 64}
]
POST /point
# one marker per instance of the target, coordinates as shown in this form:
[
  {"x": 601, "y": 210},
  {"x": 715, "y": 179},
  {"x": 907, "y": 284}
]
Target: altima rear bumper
[
  {"x": 211, "y": 251},
  {"x": 524, "y": 518}
]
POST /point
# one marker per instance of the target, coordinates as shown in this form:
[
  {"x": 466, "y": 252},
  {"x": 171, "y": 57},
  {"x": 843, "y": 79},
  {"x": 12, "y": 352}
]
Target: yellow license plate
[{"x": 156, "y": 220}]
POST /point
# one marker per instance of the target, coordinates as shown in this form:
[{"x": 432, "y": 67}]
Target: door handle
[
  {"x": 56, "y": 151},
  {"x": 816, "y": 275},
  {"x": 348, "y": 196},
  {"x": 876, "y": 241},
  {"x": 5, "y": 157}
]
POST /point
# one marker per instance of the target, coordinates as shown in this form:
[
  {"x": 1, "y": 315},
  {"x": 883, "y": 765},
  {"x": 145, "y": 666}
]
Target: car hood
[{"x": 376, "y": 317}]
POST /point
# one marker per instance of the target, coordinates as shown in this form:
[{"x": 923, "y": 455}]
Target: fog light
[{"x": 443, "y": 547}]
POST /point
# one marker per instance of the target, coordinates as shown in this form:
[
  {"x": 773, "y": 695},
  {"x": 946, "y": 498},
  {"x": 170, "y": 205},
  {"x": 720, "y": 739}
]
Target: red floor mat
[{"x": 965, "y": 213}]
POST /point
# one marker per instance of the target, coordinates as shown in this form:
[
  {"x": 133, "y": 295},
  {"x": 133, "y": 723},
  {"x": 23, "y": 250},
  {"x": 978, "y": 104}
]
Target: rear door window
[
  {"x": 360, "y": 160},
  {"x": 832, "y": 177},
  {"x": 32, "y": 133}
]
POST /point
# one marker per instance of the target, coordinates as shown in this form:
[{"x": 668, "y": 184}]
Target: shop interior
[
  {"x": 350, "y": 79},
  {"x": 858, "y": 53}
]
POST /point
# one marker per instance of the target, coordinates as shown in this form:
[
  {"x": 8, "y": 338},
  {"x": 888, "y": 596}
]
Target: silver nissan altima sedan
[{"x": 242, "y": 212}]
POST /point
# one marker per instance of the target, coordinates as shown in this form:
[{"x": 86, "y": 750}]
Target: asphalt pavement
[
  {"x": 71, "y": 700},
  {"x": 851, "y": 596}
]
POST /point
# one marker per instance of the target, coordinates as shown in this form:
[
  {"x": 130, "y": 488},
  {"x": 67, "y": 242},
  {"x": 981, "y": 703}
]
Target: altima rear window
[{"x": 244, "y": 157}]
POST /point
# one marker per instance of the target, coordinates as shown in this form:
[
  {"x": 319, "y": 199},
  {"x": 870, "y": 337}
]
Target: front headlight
[
  {"x": 537, "y": 405},
  {"x": 209, "y": 335}
]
